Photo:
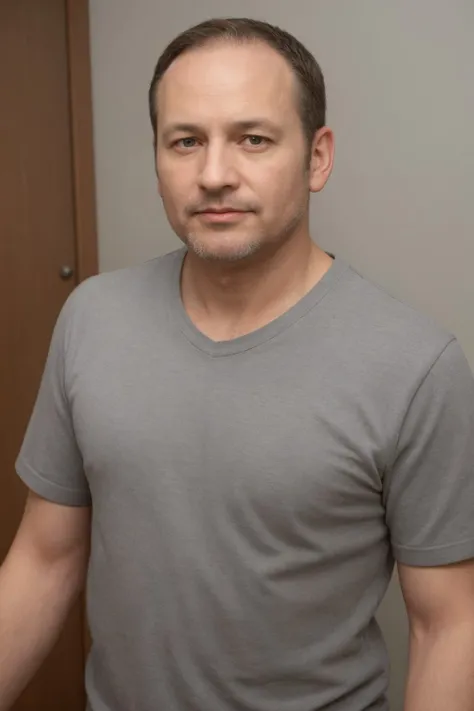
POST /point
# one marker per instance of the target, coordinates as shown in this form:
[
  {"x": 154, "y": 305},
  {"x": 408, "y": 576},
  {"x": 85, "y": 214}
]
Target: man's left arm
[
  {"x": 440, "y": 607},
  {"x": 428, "y": 493}
]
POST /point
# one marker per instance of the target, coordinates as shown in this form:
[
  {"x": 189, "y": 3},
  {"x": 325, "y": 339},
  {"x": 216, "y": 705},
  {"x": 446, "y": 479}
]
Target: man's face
[{"x": 229, "y": 137}]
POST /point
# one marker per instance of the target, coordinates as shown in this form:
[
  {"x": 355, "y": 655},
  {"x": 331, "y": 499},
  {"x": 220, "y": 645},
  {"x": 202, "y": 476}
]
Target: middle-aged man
[{"x": 248, "y": 431}]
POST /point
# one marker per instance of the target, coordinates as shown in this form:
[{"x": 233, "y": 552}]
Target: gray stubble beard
[{"x": 199, "y": 248}]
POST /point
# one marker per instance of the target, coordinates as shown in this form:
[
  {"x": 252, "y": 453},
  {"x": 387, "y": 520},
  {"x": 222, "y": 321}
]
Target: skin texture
[{"x": 440, "y": 606}]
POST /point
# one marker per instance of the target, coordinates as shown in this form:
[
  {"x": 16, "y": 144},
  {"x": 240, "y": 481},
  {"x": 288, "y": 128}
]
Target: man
[{"x": 260, "y": 432}]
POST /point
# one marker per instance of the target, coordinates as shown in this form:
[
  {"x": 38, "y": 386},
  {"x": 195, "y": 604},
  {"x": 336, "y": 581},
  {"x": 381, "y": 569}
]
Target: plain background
[{"x": 400, "y": 203}]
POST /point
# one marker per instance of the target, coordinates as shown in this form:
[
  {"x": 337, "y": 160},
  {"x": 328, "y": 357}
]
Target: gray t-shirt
[{"x": 250, "y": 496}]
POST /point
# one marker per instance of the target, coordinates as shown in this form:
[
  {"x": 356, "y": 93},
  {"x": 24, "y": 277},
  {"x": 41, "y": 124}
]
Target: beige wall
[{"x": 400, "y": 203}]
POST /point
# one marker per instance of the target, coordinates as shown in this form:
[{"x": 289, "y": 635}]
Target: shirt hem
[
  {"x": 48, "y": 489},
  {"x": 440, "y": 555}
]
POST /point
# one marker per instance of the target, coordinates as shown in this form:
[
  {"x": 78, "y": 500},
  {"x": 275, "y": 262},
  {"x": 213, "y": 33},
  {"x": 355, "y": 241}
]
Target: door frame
[
  {"x": 83, "y": 178},
  {"x": 82, "y": 142}
]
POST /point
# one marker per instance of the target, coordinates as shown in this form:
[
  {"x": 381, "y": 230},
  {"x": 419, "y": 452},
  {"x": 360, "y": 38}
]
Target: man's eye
[
  {"x": 185, "y": 142},
  {"x": 256, "y": 140}
]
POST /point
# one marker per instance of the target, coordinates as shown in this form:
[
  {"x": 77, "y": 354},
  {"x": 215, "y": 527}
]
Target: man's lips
[{"x": 222, "y": 215}]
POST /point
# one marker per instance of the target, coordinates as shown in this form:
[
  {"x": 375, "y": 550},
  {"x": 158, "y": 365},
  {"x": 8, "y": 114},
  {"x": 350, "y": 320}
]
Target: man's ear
[{"x": 322, "y": 159}]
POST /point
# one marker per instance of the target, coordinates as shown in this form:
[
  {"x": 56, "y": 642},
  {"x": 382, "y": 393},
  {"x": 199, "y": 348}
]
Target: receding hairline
[
  {"x": 310, "y": 94},
  {"x": 214, "y": 42}
]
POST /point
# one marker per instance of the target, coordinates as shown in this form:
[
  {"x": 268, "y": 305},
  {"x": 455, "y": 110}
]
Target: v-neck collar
[{"x": 260, "y": 335}]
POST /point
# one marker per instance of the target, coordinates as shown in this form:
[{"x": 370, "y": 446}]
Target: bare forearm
[
  {"x": 34, "y": 603},
  {"x": 441, "y": 671}
]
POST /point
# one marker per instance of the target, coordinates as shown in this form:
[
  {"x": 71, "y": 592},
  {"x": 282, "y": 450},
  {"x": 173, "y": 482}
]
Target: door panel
[{"x": 36, "y": 240}]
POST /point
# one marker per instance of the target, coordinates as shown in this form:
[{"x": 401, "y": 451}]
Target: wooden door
[{"x": 40, "y": 204}]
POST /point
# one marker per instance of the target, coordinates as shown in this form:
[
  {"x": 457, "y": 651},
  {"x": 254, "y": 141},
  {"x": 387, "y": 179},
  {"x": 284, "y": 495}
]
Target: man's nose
[{"x": 218, "y": 171}]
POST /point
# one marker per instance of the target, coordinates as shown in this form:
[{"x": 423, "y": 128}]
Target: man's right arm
[{"x": 40, "y": 580}]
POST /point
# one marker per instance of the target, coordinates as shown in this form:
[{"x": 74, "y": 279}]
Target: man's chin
[{"x": 229, "y": 252}]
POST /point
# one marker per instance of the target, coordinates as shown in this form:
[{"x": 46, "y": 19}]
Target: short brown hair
[{"x": 312, "y": 105}]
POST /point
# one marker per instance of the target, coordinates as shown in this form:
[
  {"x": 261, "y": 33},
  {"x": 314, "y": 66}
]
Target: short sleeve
[
  {"x": 49, "y": 462},
  {"x": 429, "y": 489}
]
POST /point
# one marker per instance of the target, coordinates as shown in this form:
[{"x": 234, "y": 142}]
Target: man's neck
[{"x": 228, "y": 300}]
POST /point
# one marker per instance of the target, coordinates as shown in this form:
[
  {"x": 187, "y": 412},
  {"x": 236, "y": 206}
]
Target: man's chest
[{"x": 282, "y": 444}]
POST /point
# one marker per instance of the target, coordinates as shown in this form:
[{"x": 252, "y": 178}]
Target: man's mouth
[{"x": 225, "y": 214}]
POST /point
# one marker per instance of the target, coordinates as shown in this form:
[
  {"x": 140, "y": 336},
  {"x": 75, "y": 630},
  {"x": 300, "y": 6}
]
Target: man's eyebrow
[
  {"x": 181, "y": 128},
  {"x": 257, "y": 123},
  {"x": 244, "y": 125}
]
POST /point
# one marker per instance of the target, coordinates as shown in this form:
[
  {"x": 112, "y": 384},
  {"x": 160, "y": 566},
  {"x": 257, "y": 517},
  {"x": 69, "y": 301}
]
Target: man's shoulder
[
  {"x": 135, "y": 276},
  {"x": 119, "y": 285},
  {"x": 385, "y": 325},
  {"x": 120, "y": 297}
]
